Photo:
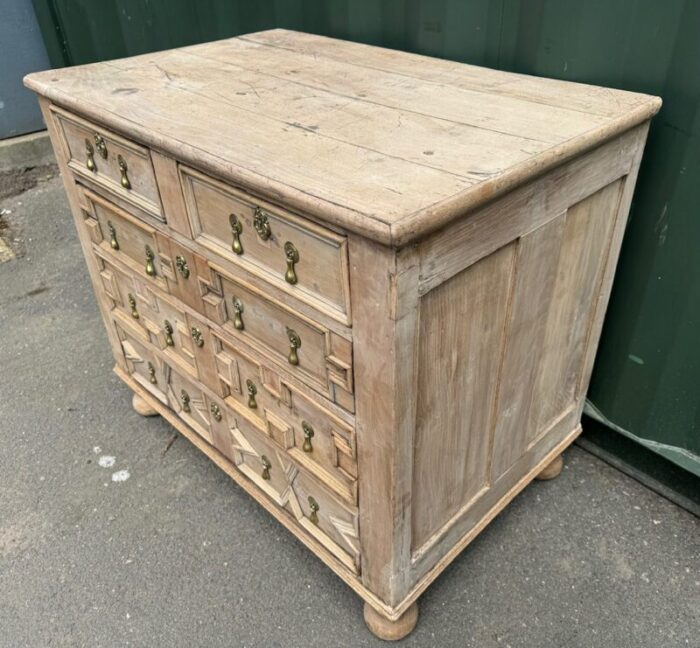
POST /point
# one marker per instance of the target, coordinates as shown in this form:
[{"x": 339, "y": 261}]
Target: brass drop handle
[
  {"x": 308, "y": 435},
  {"x": 132, "y": 304},
  {"x": 215, "y": 411},
  {"x": 150, "y": 266},
  {"x": 313, "y": 505},
  {"x": 197, "y": 336},
  {"x": 123, "y": 169},
  {"x": 238, "y": 314},
  {"x": 90, "y": 155},
  {"x": 185, "y": 400},
  {"x": 113, "y": 243},
  {"x": 294, "y": 344},
  {"x": 252, "y": 390},
  {"x": 152, "y": 373},
  {"x": 266, "y": 465},
  {"x": 291, "y": 254},
  {"x": 262, "y": 224},
  {"x": 181, "y": 265},
  {"x": 101, "y": 145},
  {"x": 236, "y": 229},
  {"x": 168, "y": 328}
]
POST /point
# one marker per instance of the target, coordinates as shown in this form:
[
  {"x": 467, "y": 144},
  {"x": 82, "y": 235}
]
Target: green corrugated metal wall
[{"x": 646, "y": 382}]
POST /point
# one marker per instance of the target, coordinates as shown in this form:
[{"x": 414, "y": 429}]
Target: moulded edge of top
[{"x": 407, "y": 229}]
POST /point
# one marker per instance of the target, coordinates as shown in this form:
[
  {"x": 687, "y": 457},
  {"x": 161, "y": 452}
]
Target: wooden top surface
[{"x": 383, "y": 143}]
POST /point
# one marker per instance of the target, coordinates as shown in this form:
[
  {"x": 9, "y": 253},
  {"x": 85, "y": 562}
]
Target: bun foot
[
  {"x": 388, "y": 630},
  {"x": 552, "y": 470},
  {"x": 142, "y": 407}
]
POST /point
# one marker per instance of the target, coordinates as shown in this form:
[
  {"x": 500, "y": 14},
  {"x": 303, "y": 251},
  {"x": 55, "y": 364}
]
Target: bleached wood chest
[{"x": 369, "y": 285}]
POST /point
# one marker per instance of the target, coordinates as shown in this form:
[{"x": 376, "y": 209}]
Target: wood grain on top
[{"x": 383, "y": 143}]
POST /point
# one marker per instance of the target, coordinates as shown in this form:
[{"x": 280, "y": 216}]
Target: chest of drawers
[{"x": 369, "y": 285}]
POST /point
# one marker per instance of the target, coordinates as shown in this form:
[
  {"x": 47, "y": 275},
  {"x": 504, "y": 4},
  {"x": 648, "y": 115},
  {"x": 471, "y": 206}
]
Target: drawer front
[
  {"x": 139, "y": 246},
  {"x": 320, "y": 514},
  {"x": 187, "y": 266},
  {"x": 143, "y": 363},
  {"x": 295, "y": 254},
  {"x": 311, "y": 352},
  {"x": 110, "y": 161},
  {"x": 203, "y": 413},
  {"x": 311, "y": 434},
  {"x": 170, "y": 330}
]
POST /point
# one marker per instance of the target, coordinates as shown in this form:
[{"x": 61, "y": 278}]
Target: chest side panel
[{"x": 505, "y": 336}]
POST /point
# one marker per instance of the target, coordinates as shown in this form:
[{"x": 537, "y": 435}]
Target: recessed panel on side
[
  {"x": 559, "y": 267},
  {"x": 582, "y": 260},
  {"x": 536, "y": 262},
  {"x": 460, "y": 347}
]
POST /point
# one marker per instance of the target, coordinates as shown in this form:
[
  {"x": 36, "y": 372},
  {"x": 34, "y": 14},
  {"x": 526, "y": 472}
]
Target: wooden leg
[
  {"x": 552, "y": 470},
  {"x": 387, "y": 630},
  {"x": 142, "y": 407}
]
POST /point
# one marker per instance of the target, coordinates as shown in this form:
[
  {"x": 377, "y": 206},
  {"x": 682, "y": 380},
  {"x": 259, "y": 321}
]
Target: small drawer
[
  {"x": 315, "y": 437},
  {"x": 125, "y": 295},
  {"x": 143, "y": 364},
  {"x": 315, "y": 354},
  {"x": 293, "y": 253},
  {"x": 170, "y": 331},
  {"x": 128, "y": 239},
  {"x": 204, "y": 414},
  {"x": 332, "y": 523},
  {"x": 187, "y": 266},
  {"x": 110, "y": 161}
]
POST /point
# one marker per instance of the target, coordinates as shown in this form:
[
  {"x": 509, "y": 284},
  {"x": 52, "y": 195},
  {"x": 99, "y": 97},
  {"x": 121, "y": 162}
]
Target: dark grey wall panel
[{"x": 23, "y": 51}]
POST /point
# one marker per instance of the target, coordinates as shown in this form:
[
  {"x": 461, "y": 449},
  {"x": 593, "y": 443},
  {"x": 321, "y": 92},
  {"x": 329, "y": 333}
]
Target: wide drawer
[
  {"x": 110, "y": 161},
  {"x": 320, "y": 357},
  {"x": 314, "y": 436},
  {"x": 292, "y": 253},
  {"x": 315, "y": 509}
]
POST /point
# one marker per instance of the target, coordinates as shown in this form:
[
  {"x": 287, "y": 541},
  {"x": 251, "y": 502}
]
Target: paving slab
[
  {"x": 113, "y": 535},
  {"x": 26, "y": 151}
]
